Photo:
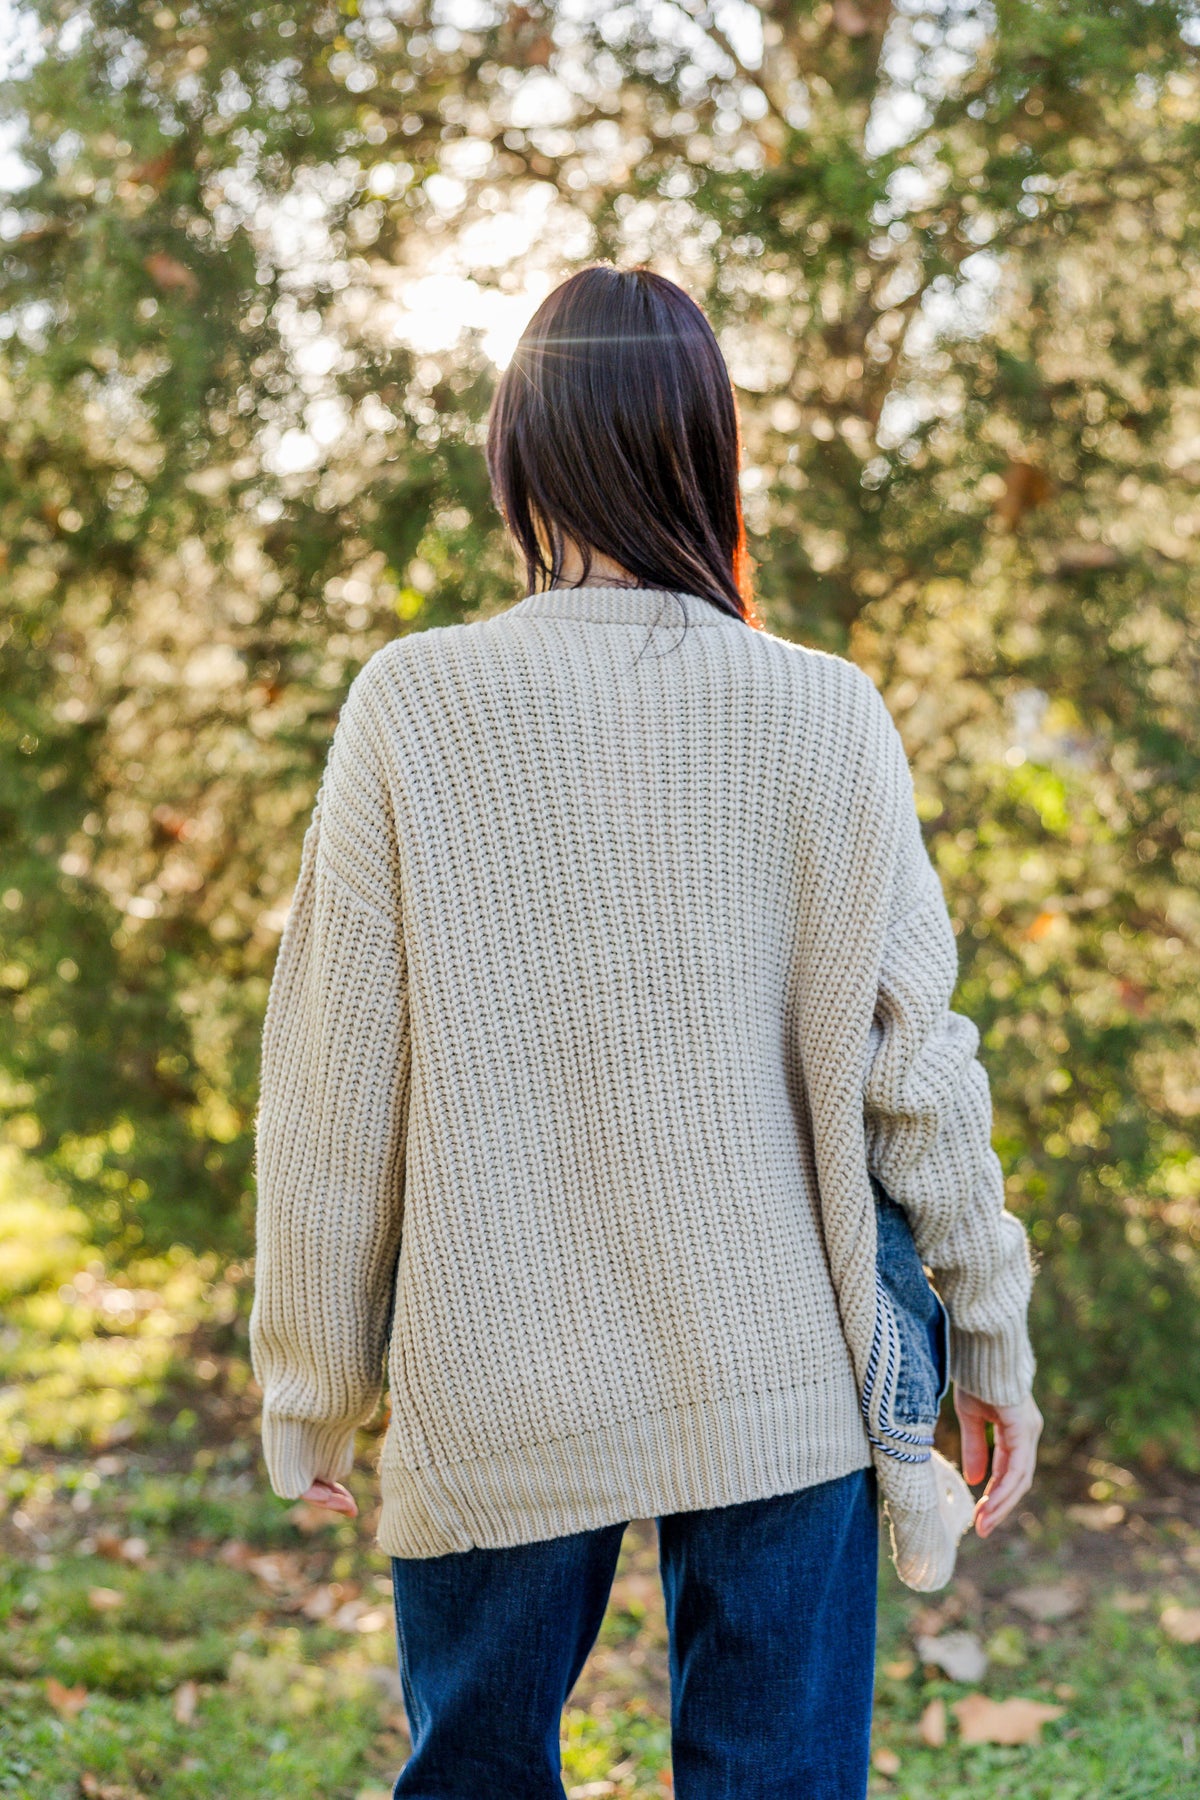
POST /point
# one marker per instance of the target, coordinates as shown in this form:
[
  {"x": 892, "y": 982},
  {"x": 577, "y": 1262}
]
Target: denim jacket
[{"x": 908, "y": 1371}]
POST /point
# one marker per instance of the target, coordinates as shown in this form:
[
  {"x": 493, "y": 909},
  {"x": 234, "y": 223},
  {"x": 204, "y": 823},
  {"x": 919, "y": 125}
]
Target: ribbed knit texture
[{"x": 615, "y": 963}]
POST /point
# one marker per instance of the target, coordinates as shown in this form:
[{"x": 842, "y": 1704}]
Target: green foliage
[
  {"x": 133, "y": 1662},
  {"x": 199, "y": 1597},
  {"x": 952, "y": 253},
  {"x": 286, "y": 1706},
  {"x": 1126, "y": 1732},
  {"x": 239, "y": 1747}
]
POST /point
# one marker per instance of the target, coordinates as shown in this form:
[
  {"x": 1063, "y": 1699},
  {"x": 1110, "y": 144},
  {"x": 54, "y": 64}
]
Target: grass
[{"x": 170, "y": 1630}]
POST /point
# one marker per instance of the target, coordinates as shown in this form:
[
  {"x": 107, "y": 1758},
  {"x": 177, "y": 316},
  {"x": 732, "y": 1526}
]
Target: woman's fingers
[
  {"x": 996, "y": 1505},
  {"x": 972, "y": 1427},
  {"x": 1016, "y": 1432},
  {"x": 333, "y": 1497},
  {"x": 1012, "y": 1476}
]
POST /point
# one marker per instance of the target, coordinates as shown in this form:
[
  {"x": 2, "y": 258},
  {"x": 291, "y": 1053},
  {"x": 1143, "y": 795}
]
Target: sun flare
[{"x": 436, "y": 311}]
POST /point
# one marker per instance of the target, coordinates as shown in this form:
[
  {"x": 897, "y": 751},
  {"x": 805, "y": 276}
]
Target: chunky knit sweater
[{"x": 615, "y": 968}]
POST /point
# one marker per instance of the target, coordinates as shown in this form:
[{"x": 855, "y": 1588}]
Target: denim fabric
[
  {"x": 921, "y": 1320},
  {"x": 771, "y": 1614}
]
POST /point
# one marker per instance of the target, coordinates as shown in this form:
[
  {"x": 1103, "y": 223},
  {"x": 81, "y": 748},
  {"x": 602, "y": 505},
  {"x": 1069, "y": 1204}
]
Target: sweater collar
[{"x": 620, "y": 606}]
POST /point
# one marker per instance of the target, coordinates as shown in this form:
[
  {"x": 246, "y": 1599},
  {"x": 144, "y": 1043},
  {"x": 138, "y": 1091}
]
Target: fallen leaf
[
  {"x": 931, "y": 1727},
  {"x": 304, "y": 1517},
  {"x": 348, "y": 1614},
  {"x": 1182, "y": 1624},
  {"x": 1014, "y": 1721},
  {"x": 320, "y": 1603},
  {"x": 66, "y": 1701},
  {"x": 184, "y": 1701},
  {"x": 1051, "y": 1601},
  {"x": 277, "y": 1571},
  {"x": 1097, "y": 1518},
  {"x": 901, "y": 1669},
  {"x": 107, "y": 1543},
  {"x": 886, "y": 1761},
  {"x": 959, "y": 1654},
  {"x": 105, "y": 1599},
  {"x": 377, "y": 1619},
  {"x": 95, "y": 1789},
  {"x": 932, "y": 1619}
]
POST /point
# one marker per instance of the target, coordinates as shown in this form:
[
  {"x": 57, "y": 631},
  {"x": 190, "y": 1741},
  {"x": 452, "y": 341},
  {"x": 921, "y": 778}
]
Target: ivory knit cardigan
[{"x": 616, "y": 965}]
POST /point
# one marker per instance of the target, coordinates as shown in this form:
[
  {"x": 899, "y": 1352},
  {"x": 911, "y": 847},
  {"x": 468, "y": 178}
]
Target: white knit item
[{"x": 615, "y": 962}]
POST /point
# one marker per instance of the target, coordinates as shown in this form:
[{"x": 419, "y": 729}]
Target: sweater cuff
[
  {"x": 297, "y": 1451},
  {"x": 997, "y": 1367}
]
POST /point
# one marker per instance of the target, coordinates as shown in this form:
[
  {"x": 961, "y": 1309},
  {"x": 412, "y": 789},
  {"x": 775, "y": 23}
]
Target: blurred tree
[{"x": 951, "y": 249}]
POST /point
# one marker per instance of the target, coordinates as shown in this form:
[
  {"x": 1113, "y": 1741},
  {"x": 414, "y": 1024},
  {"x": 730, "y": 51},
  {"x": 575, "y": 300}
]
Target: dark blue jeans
[{"x": 771, "y": 1614}]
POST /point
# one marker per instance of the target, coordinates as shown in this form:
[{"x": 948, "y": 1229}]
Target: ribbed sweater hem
[{"x": 704, "y": 1454}]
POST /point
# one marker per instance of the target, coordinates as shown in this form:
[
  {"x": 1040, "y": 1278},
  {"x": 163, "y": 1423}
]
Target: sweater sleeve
[
  {"x": 929, "y": 1120},
  {"x": 331, "y": 1125}
]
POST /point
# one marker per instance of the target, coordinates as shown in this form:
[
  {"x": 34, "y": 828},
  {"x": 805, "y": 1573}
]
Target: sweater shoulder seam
[
  {"x": 930, "y": 886},
  {"x": 329, "y": 866}
]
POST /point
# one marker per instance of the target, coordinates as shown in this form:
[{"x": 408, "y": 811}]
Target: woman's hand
[
  {"x": 1015, "y": 1434},
  {"x": 333, "y": 1497}
]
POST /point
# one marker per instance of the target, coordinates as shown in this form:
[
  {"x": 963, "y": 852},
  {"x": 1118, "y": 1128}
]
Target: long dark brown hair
[{"x": 615, "y": 426}]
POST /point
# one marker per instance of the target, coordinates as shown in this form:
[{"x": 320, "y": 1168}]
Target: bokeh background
[{"x": 259, "y": 266}]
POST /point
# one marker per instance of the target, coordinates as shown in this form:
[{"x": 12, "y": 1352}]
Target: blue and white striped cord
[{"x": 878, "y": 1396}]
